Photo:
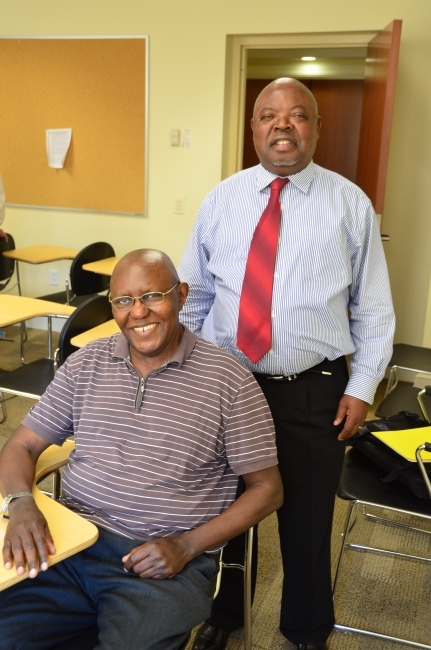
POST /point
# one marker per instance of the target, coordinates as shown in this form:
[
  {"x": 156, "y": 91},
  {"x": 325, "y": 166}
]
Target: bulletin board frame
[{"x": 98, "y": 87}]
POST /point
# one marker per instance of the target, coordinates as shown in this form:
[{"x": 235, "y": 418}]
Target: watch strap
[{"x": 10, "y": 497}]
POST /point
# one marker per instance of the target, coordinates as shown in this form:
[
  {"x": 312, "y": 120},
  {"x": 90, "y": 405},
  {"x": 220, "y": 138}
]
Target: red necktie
[{"x": 254, "y": 318}]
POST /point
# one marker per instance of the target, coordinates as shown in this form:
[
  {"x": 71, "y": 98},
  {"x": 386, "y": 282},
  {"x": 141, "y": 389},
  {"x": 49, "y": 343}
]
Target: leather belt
[
  {"x": 297, "y": 375},
  {"x": 293, "y": 377}
]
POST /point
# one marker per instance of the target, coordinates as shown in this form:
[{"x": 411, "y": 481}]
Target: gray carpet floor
[{"x": 387, "y": 594}]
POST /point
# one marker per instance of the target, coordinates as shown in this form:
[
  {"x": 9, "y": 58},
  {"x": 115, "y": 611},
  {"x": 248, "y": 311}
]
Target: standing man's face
[{"x": 285, "y": 129}]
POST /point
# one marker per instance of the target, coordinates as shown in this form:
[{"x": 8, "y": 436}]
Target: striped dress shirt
[{"x": 330, "y": 261}]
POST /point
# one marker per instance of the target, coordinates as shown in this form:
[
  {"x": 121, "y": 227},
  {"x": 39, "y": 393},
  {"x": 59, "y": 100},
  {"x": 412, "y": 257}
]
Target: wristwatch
[{"x": 10, "y": 497}]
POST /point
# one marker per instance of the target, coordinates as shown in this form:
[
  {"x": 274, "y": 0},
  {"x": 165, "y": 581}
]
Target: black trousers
[{"x": 310, "y": 461}]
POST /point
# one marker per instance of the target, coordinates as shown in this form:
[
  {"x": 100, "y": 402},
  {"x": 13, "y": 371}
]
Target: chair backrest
[
  {"x": 7, "y": 265},
  {"x": 94, "y": 311},
  {"x": 85, "y": 282}
]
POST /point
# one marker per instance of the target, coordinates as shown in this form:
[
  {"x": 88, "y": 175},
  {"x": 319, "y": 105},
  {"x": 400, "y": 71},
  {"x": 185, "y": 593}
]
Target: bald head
[
  {"x": 150, "y": 321},
  {"x": 287, "y": 82},
  {"x": 147, "y": 259}
]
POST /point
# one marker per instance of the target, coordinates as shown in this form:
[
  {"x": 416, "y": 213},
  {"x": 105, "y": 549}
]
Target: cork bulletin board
[{"x": 98, "y": 88}]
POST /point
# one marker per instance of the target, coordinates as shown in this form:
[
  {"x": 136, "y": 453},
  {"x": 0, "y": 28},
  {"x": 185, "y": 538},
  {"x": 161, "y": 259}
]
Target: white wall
[{"x": 186, "y": 85}]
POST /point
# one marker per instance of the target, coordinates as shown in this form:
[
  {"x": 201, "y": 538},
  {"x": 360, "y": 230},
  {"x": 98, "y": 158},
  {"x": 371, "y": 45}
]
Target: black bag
[{"x": 398, "y": 468}]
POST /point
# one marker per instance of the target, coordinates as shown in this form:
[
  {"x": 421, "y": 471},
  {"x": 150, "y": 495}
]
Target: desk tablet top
[
  {"x": 99, "y": 332},
  {"x": 41, "y": 254},
  {"x": 406, "y": 442},
  {"x": 71, "y": 533},
  {"x": 15, "y": 309},
  {"x": 103, "y": 267}
]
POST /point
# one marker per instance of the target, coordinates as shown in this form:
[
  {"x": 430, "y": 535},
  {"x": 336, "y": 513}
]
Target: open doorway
[{"x": 353, "y": 79}]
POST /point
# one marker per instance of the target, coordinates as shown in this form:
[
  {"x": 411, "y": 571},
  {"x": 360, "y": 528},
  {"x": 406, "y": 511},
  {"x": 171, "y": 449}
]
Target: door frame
[{"x": 237, "y": 48}]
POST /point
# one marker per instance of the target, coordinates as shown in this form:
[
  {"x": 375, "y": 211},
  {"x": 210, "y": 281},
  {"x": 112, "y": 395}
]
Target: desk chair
[
  {"x": 361, "y": 485},
  {"x": 81, "y": 284},
  {"x": 406, "y": 398},
  {"x": 7, "y": 265},
  {"x": 32, "y": 379},
  {"x": 407, "y": 357},
  {"x": 7, "y": 269}
]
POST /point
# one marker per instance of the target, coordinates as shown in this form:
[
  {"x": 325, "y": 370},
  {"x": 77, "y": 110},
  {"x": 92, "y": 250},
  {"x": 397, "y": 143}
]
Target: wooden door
[
  {"x": 340, "y": 103},
  {"x": 377, "y": 106}
]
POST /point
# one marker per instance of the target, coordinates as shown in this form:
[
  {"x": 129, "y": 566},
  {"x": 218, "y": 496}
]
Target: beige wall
[{"x": 186, "y": 85}]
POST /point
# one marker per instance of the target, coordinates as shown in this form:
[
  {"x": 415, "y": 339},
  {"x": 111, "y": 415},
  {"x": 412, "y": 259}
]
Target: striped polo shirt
[{"x": 155, "y": 455}]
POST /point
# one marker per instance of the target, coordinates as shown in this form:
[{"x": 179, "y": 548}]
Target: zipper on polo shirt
[
  {"x": 142, "y": 380},
  {"x": 140, "y": 393}
]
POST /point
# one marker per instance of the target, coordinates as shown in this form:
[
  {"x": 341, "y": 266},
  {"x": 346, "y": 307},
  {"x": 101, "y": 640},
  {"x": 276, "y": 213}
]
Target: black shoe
[
  {"x": 311, "y": 646},
  {"x": 210, "y": 638}
]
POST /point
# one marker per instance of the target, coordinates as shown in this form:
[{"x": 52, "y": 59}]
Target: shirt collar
[
  {"x": 181, "y": 354},
  {"x": 302, "y": 180}
]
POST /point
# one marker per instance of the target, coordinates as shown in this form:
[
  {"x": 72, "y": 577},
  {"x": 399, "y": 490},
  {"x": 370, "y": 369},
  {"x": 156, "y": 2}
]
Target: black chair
[
  {"x": 7, "y": 269},
  {"x": 32, "y": 379},
  {"x": 412, "y": 358},
  {"x": 81, "y": 284},
  {"x": 406, "y": 398},
  {"x": 7, "y": 265},
  {"x": 370, "y": 497}
]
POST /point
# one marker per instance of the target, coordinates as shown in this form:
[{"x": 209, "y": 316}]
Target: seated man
[{"x": 164, "y": 425}]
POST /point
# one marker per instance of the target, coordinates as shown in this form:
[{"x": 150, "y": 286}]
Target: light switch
[
  {"x": 179, "y": 204},
  {"x": 187, "y": 138},
  {"x": 175, "y": 137}
]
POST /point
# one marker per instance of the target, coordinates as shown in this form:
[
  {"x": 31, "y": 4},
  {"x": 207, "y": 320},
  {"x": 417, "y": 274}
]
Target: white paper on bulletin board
[{"x": 57, "y": 146}]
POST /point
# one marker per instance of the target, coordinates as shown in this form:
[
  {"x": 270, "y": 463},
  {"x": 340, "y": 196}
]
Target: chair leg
[
  {"x": 347, "y": 528},
  {"x": 247, "y": 588},
  {"x": 392, "y": 522},
  {"x": 3, "y": 408}
]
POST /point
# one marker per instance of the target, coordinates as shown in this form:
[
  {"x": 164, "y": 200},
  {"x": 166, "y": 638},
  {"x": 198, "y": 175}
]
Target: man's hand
[
  {"x": 355, "y": 411},
  {"x": 161, "y": 558},
  {"x": 27, "y": 540}
]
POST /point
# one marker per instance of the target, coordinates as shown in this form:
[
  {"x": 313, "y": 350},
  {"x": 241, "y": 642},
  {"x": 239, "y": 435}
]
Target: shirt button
[
  {"x": 273, "y": 314},
  {"x": 275, "y": 275},
  {"x": 271, "y": 351}
]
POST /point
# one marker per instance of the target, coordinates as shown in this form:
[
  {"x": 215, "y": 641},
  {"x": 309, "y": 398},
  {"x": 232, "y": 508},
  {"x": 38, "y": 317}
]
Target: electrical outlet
[{"x": 53, "y": 277}]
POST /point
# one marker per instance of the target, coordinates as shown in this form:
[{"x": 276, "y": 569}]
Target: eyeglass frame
[{"x": 165, "y": 293}]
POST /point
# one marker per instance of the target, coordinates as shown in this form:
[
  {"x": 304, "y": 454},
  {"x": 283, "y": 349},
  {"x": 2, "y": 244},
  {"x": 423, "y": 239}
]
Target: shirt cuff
[
  {"x": 39, "y": 430},
  {"x": 362, "y": 387},
  {"x": 256, "y": 466}
]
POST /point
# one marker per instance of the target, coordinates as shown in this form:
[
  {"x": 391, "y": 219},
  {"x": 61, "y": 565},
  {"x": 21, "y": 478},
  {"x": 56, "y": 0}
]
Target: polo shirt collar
[
  {"x": 181, "y": 354},
  {"x": 302, "y": 180}
]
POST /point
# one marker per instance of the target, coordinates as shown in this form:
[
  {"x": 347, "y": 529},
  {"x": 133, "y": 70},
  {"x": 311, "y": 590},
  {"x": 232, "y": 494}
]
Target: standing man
[{"x": 286, "y": 271}]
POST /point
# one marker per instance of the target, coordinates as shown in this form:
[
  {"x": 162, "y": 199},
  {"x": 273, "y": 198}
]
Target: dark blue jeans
[{"x": 92, "y": 587}]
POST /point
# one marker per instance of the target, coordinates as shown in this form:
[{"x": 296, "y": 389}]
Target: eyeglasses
[{"x": 151, "y": 299}]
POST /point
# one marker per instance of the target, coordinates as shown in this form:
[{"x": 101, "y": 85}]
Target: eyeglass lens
[{"x": 151, "y": 299}]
